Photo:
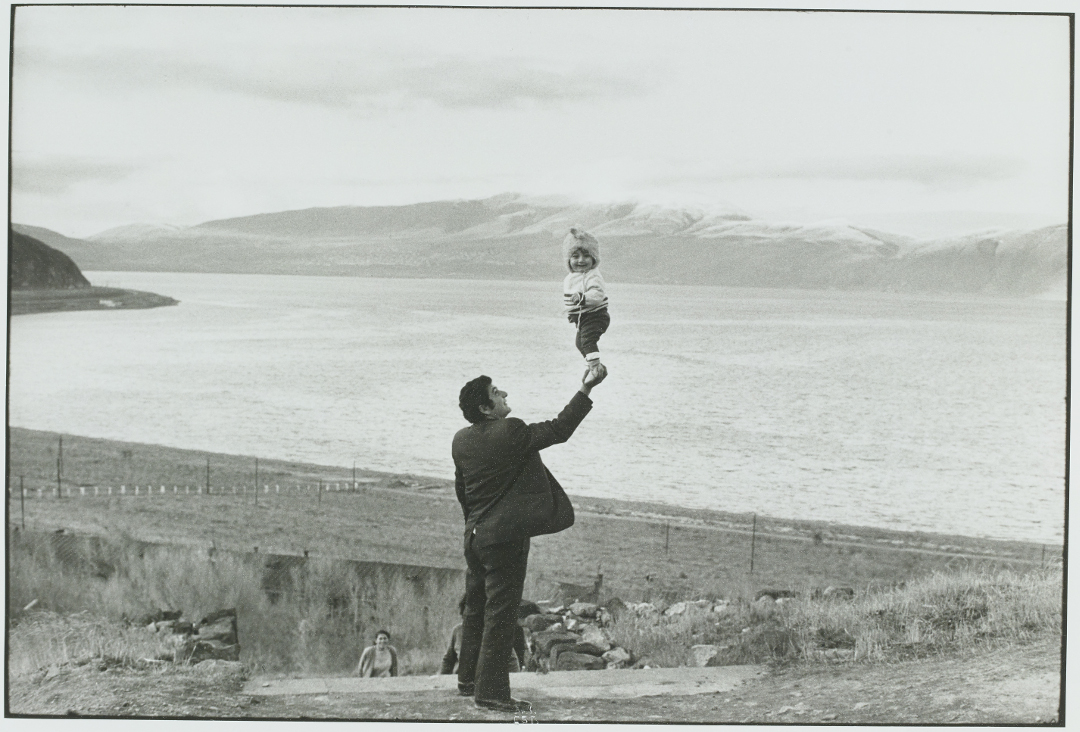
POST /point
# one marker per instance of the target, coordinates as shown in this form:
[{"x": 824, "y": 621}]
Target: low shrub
[
  {"x": 320, "y": 627},
  {"x": 44, "y": 639},
  {"x": 937, "y": 613}
]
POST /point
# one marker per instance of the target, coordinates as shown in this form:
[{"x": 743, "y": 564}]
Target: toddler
[{"x": 583, "y": 294}]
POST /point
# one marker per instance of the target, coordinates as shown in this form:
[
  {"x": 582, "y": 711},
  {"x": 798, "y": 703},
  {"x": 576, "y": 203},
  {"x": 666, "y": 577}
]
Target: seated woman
[{"x": 379, "y": 659}]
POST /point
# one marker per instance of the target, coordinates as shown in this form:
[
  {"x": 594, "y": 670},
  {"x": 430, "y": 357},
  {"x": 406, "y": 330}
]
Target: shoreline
[
  {"x": 101, "y": 462},
  {"x": 32, "y": 301}
]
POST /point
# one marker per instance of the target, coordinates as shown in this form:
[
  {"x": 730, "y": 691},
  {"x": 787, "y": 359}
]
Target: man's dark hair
[
  {"x": 461, "y": 604},
  {"x": 473, "y": 396}
]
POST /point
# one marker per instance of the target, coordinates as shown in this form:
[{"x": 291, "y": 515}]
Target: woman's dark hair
[
  {"x": 382, "y": 632},
  {"x": 473, "y": 396}
]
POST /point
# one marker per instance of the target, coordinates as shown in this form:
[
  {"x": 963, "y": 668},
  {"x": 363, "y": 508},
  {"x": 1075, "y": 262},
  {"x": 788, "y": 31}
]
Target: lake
[{"x": 942, "y": 414}]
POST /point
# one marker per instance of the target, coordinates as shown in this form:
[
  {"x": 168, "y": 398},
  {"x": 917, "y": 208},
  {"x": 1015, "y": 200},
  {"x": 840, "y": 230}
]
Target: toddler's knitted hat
[{"x": 580, "y": 239}]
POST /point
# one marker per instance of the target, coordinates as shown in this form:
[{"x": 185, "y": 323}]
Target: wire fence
[{"x": 150, "y": 490}]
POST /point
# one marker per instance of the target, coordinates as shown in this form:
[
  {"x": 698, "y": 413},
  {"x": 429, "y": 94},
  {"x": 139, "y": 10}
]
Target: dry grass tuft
[
  {"x": 319, "y": 627},
  {"x": 935, "y": 614}
]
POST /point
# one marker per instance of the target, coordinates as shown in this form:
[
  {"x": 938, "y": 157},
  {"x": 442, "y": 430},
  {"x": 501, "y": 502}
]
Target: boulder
[
  {"x": 838, "y": 593},
  {"x": 645, "y": 610},
  {"x": 763, "y": 608},
  {"x": 677, "y": 609},
  {"x": 548, "y": 638},
  {"x": 720, "y": 607},
  {"x": 538, "y": 622},
  {"x": 194, "y": 651},
  {"x": 219, "y": 626},
  {"x": 587, "y": 648},
  {"x": 570, "y": 661},
  {"x": 527, "y": 608},
  {"x": 584, "y": 609},
  {"x": 571, "y": 623},
  {"x": 615, "y": 607},
  {"x": 617, "y": 658},
  {"x": 700, "y": 655},
  {"x": 773, "y": 594},
  {"x": 595, "y": 636}
]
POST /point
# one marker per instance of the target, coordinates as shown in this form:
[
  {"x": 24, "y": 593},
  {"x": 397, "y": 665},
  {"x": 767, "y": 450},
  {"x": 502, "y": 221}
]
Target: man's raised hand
[{"x": 594, "y": 376}]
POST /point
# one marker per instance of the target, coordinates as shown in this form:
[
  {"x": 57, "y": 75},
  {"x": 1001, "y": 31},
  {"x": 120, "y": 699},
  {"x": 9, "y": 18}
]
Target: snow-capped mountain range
[{"x": 517, "y": 237}]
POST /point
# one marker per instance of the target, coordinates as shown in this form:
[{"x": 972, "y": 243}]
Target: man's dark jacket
[{"x": 489, "y": 456}]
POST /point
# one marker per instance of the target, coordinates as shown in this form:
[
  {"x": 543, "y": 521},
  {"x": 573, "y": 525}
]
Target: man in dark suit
[{"x": 488, "y": 457}]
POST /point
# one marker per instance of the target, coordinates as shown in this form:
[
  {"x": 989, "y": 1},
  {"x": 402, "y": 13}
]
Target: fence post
[
  {"x": 59, "y": 467},
  {"x": 256, "y": 484},
  {"x": 753, "y": 540},
  {"x": 319, "y": 491},
  {"x": 22, "y": 502},
  {"x": 667, "y": 533},
  {"x": 207, "y": 476}
]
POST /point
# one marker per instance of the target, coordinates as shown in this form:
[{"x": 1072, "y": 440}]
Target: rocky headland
[{"x": 45, "y": 279}]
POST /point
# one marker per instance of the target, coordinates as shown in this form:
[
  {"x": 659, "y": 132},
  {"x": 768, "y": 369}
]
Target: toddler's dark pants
[{"x": 590, "y": 326}]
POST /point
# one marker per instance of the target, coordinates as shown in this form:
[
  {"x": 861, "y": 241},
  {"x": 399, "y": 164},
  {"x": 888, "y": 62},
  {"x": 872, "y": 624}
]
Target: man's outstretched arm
[{"x": 540, "y": 435}]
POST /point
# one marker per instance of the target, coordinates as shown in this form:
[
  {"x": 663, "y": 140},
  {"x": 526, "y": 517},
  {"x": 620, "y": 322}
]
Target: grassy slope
[{"x": 643, "y": 550}]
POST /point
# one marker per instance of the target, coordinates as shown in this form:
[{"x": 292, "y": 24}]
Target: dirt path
[{"x": 1018, "y": 685}]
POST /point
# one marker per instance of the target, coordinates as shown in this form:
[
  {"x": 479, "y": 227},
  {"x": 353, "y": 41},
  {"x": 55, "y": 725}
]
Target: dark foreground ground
[{"x": 1004, "y": 686}]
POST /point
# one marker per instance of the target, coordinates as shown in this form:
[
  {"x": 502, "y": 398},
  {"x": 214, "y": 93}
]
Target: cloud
[
  {"x": 56, "y": 174},
  {"x": 450, "y": 81},
  {"x": 929, "y": 170}
]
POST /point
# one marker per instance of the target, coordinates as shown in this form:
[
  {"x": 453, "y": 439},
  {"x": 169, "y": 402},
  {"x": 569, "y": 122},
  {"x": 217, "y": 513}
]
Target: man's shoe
[
  {"x": 504, "y": 705},
  {"x": 466, "y": 689}
]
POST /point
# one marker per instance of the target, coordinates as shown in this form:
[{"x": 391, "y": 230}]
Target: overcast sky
[{"x": 916, "y": 123}]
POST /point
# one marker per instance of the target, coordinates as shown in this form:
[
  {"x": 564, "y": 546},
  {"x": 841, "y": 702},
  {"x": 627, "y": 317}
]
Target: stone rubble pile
[
  {"x": 576, "y": 637},
  {"x": 212, "y": 638}
]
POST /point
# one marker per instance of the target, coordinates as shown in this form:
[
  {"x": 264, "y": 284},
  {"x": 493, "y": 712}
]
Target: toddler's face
[{"x": 580, "y": 261}]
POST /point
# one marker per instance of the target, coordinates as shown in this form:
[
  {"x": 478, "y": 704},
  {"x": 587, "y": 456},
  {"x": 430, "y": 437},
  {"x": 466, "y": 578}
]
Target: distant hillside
[
  {"x": 516, "y": 237},
  {"x": 35, "y": 265}
]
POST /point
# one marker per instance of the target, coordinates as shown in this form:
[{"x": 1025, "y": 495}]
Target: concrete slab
[{"x": 613, "y": 684}]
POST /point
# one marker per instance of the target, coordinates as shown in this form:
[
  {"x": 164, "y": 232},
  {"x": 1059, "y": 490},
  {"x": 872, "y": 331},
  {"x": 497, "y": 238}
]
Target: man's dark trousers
[{"x": 494, "y": 582}]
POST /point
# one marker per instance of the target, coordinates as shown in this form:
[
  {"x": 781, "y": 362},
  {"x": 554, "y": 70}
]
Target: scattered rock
[
  {"x": 773, "y": 594},
  {"x": 217, "y": 664},
  {"x": 527, "y": 608},
  {"x": 839, "y": 593},
  {"x": 584, "y": 609},
  {"x": 645, "y": 610},
  {"x": 570, "y": 661},
  {"x": 548, "y": 638},
  {"x": 194, "y": 651},
  {"x": 587, "y": 648},
  {"x": 677, "y": 609},
  {"x": 219, "y": 626},
  {"x": 860, "y": 705},
  {"x": 595, "y": 636},
  {"x": 615, "y": 607},
  {"x": 538, "y": 622},
  {"x": 617, "y": 657},
  {"x": 700, "y": 655}
]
